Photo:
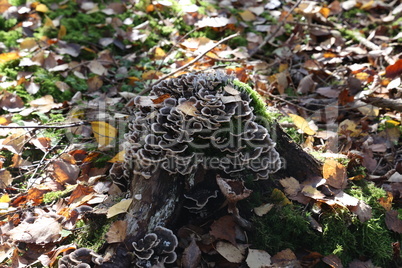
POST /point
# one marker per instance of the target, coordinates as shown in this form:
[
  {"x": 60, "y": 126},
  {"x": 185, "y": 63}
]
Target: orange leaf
[
  {"x": 344, "y": 97},
  {"x": 325, "y": 12},
  {"x": 160, "y": 99},
  {"x": 386, "y": 202},
  {"x": 79, "y": 192},
  {"x": 335, "y": 173},
  {"x": 9, "y": 56},
  {"x": 394, "y": 70},
  {"x": 36, "y": 195},
  {"x": 65, "y": 172}
]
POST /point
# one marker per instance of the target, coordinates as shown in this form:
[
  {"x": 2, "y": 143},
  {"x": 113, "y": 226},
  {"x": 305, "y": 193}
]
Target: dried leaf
[
  {"x": 117, "y": 232},
  {"x": 118, "y": 157},
  {"x": 188, "y": 108},
  {"x": 362, "y": 210},
  {"x": 191, "y": 256},
  {"x": 263, "y": 209},
  {"x": 5, "y": 178},
  {"x": 386, "y": 202},
  {"x": 302, "y": 124},
  {"x": 258, "y": 258},
  {"x": 44, "y": 230},
  {"x": 121, "y": 207},
  {"x": 97, "y": 68},
  {"x": 229, "y": 252},
  {"x": 64, "y": 172},
  {"x": 159, "y": 53},
  {"x": 247, "y": 15},
  {"x": 94, "y": 83},
  {"x": 335, "y": 173},
  {"x": 103, "y": 132},
  {"x": 11, "y": 102},
  {"x": 333, "y": 261},
  {"x": 291, "y": 185},
  {"x": 393, "y": 222},
  {"x": 279, "y": 197},
  {"x": 79, "y": 192},
  {"x": 312, "y": 192},
  {"x": 62, "y": 32},
  {"x": 161, "y": 98},
  {"x": 15, "y": 142},
  {"x": 225, "y": 229},
  {"x": 306, "y": 85}
]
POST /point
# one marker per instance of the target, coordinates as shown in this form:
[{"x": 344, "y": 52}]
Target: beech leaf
[
  {"x": 103, "y": 132},
  {"x": 121, "y": 207}
]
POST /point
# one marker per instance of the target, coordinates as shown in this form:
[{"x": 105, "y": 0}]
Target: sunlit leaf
[
  {"x": 5, "y": 178},
  {"x": 41, "y": 8},
  {"x": 335, "y": 173},
  {"x": 5, "y": 198},
  {"x": 230, "y": 252},
  {"x": 118, "y": 157},
  {"x": 301, "y": 124},
  {"x": 48, "y": 22},
  {"x": 159, "y": 53},
  {"x": 394, "y": 70},
  {"x": 5, "y": 57},
  {"x": 62, "y": 32},
  {"x": 121, "y": 207},
  {"x": 103, "y": 132}
]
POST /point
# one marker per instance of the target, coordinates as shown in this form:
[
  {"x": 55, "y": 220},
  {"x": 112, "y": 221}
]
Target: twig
[
  {"x": 272, "y": 35},
  {"x": 395, "y": 105},
  {"x": 188, "y": 64},
  {"x": 47, "y": 126}
]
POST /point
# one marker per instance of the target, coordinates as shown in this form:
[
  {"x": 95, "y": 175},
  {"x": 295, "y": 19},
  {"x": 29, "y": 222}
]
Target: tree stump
[{"x": 193, "y": 138}]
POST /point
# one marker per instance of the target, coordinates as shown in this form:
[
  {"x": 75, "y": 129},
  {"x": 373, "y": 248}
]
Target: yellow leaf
[
  {"x": 335, "y": 173},
  {"x": 28, "y": 43},
  {"x": 4, "y": 198},
  {"x": 41, "y": 8},
  {"x": 159, "y": 53},
  {"x": 283, "y": 67},
  {"x": 279, "y": 197},
  {"x": 118, "y": 157},
  {"x": 152, "y": 74},
  {"x": 247, "y": 15},
  {"x": 104, "y": 133},
  {"x": 62, "y": 32},
  {"x": 121, "y": 207},
  {"x": 48, "y": 22},
  {"x": 302, "y": 124},
  {"x": 9, "y": 56}
]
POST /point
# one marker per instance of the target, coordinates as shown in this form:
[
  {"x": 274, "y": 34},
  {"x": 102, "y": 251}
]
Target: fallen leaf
[
  {"x": 247, "y": 15},
  {"x": 79, "y": 192},
  {"x": 333, "y": 261},
  {"x": 159, "y": 53},
  {"x": 36, "y": 195},
  {"x": 258, "y": 258},
  {"x": 121, "y": 207},
  {"x": 9, "y": 56},
  {"x": 393, "y": 70},
  {"x": 11, "y": 102},
  {"x": 15, "y": 142},
  {"x": 229, "y": 252},
  {"x": 306, "y": 85},
  {"x": 291, "y": 186},
  {"x": 312, "y": 192},
  {"x": 279, "y": 197},
  {"x": 117, "y": 232},
  {"x": 62, "y": 32},
  {"x": 64, "y": 172},
  {"x": 41, "y": 8},
  {"x": 335, "y": 173},
  {"x": 386, "y": 202},
  {"x": 362, "y": 210},
  {"x": 263, "y": 209},
  {"x": 191, "y": 256},
  {"x": 302, "y": 124},
  {"x": 97, "y": 68},
  {"x": 161, "y": 98},
  {"x": 118, "y": 157},
  {"x": 103, "y": 132},
  {"x": 393, "y": 222},
  {"x": 188, "y": 108},
  {"x": 44, "y": 230},
  {"x": 224, "y": 228}
]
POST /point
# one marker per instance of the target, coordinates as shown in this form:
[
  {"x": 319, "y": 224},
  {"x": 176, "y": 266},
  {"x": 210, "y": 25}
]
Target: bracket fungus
[
  {"x": 200, "y": 119},
  {"x": 80, "y": 258},
  {"x": 156, "y": 248}
]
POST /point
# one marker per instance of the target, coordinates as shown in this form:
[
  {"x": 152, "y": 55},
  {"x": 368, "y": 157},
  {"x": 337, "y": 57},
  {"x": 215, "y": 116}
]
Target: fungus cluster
[
  {"x": 156, "y": 248},
  {"x": 80, "y": 258},
  {"x": 195, "y": 119}
]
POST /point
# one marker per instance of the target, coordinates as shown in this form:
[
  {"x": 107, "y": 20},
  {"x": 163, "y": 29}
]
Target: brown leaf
[
  {"x": 191, "y": 256},
  {"x": 79, "y": 192},
  {"x": 160, "y": 99},
  {"x": 43, "y": 230},
  {"x": 386, "y": 202},
  {"x": 333, "y": 261},
  {"x": 36, "y": 195},
  {"x": 224, "y": 228},
  {"x": 117, "y": 232},
  {"x": 64, "y": 172},
  {"x": 291, "y": 186},
  {"x": 335, "y": 173},
  {"x": 15, "y": 142},
  {"x": 94, "y": 83},
  {"x": 393, "y": 222},
  {"x": 11, "y": 102},
  {"x": 5, "y": 178},
  {"x": 285, "y": 258},
  {"x": 394, "y": 70},
  {"x": 230, "y": 252}
]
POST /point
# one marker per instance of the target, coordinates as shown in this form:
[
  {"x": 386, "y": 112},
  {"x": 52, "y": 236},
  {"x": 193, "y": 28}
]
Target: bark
[{"x": 161, "y": 193}]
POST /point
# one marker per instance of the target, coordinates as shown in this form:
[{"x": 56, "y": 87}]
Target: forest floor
[{"x": 329, "y": 71}]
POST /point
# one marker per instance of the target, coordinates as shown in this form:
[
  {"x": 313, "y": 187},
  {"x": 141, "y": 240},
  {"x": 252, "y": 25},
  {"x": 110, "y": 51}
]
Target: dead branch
[
  {"x": 77, "y": 124},
  {"x": 395, "y": 105}
]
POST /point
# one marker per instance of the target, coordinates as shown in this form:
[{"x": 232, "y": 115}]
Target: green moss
[
  {"x": 17, "y": 2},
  {"x": 92, "y": 234},
  {"x": 53, "y": 196},
  {"x": 9, "y": 38}
]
